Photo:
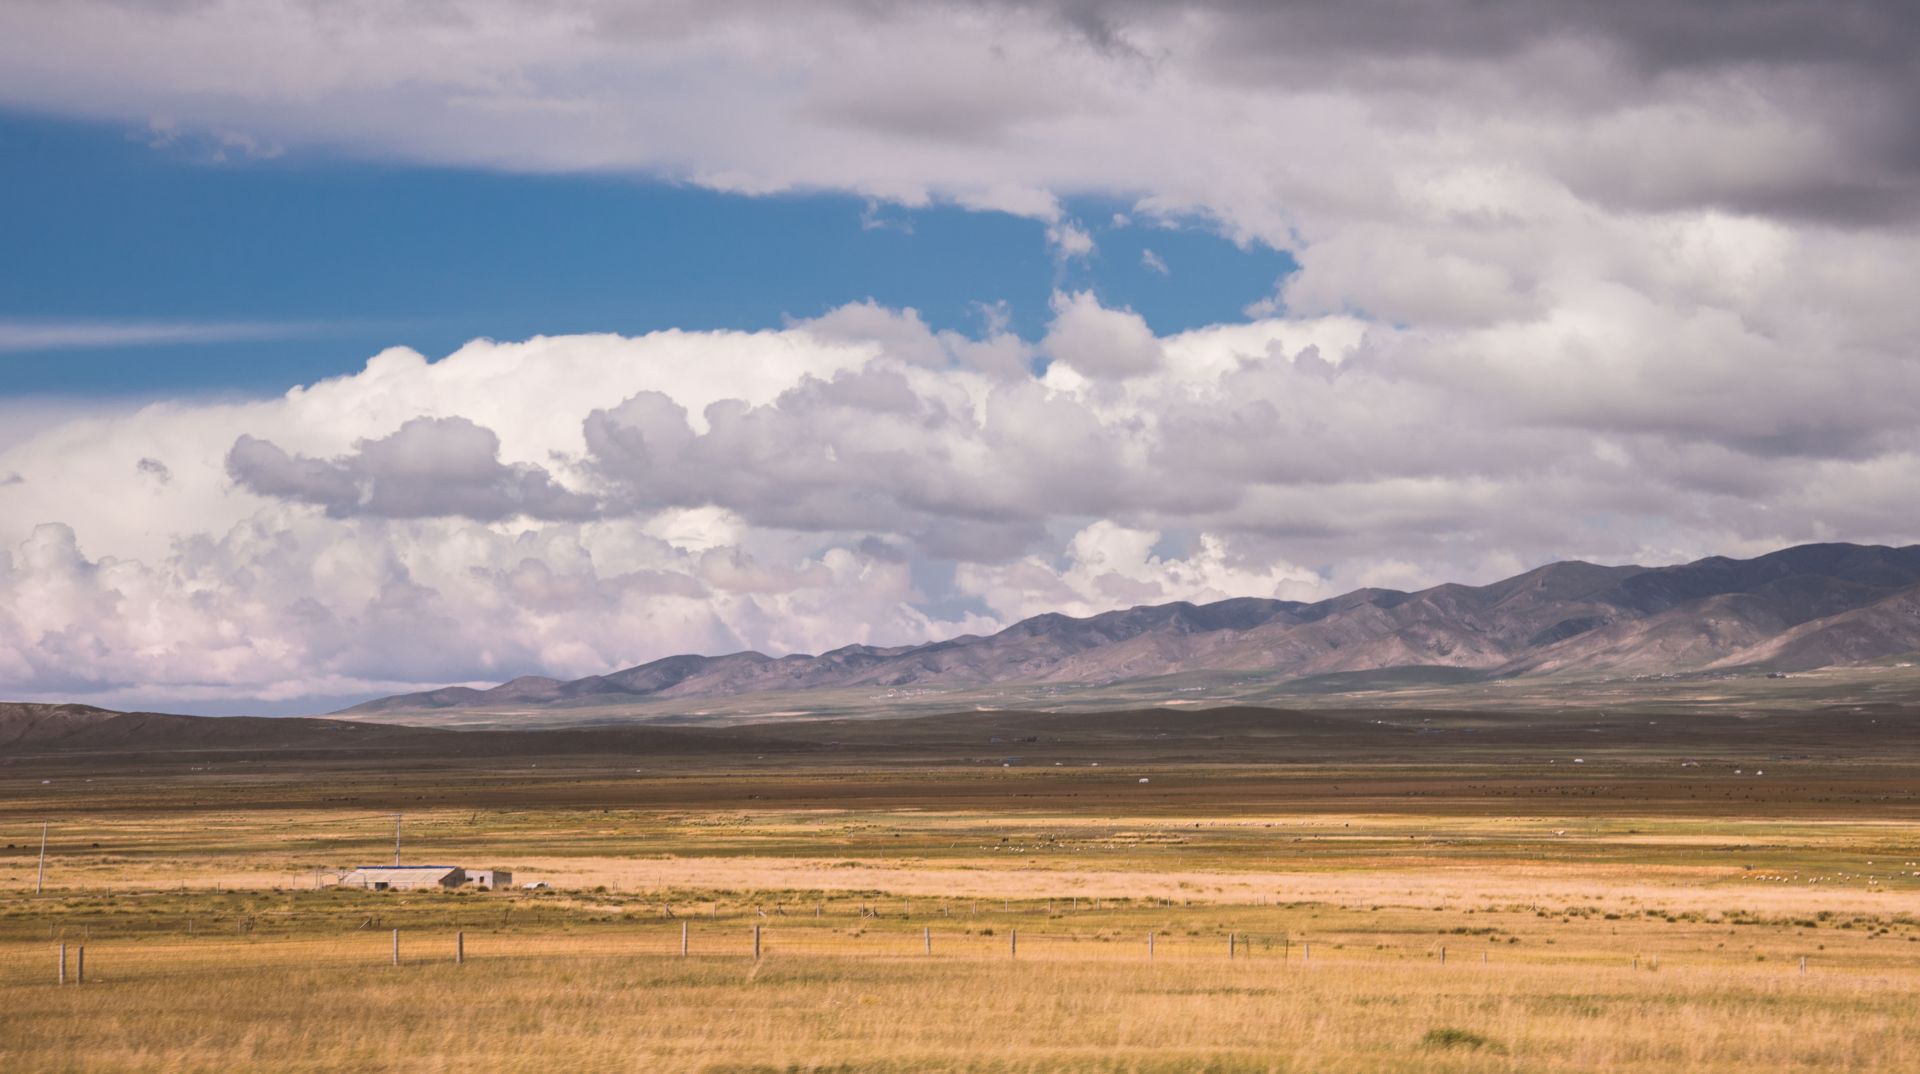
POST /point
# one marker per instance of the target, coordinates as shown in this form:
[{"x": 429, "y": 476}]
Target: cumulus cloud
[
  {"x": 1098, "y": 341},
  {"x": 291, "y": 605},
  {"x": 1107, "y": 565},
  {"x": 1153, "y": 262},
  {"x": 429, "y": 467},
  {"x": 314, "y": 545}
]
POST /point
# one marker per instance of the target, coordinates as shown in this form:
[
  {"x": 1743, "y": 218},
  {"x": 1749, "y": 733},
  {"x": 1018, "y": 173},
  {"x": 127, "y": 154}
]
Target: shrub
[{"x": 1452, "y": 1037}]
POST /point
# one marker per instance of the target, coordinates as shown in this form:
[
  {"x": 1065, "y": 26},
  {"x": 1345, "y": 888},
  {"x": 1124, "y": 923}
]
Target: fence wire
[{"x": 155, "y": 958}]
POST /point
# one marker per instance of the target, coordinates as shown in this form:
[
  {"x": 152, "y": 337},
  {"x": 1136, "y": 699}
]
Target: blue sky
[{"x": 320, "y": 262}]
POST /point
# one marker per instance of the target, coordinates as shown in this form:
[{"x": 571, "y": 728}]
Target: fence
[{"x": 110, "y": 960}]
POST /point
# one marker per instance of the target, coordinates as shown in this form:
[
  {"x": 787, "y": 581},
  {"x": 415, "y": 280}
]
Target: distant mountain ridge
[{"x": 1809, "y": 606}]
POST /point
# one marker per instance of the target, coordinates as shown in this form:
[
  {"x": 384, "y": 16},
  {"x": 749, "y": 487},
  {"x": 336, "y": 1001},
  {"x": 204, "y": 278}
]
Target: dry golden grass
[
  {"x": 544, "y": 1002},
  {"x": 1754, "y": 862},
  {"x": 209, "y": 948}
]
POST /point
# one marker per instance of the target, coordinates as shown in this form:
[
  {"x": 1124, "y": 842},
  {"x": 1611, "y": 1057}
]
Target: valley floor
[{"x": 1481, "y": 915}]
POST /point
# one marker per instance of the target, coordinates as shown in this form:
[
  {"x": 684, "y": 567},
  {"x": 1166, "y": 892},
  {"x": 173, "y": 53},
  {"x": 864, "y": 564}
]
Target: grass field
[
  {"x": 1475, "y": 915},
  {"x": 564, "y": 1000}
]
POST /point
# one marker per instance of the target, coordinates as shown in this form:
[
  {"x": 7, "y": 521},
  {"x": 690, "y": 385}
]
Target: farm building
[
  {"x": 418, "y": 877},
  {"x": 404, "y": 877}
]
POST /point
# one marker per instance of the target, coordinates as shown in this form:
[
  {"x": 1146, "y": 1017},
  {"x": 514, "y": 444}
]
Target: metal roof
[{"x": 390, "y": 868}]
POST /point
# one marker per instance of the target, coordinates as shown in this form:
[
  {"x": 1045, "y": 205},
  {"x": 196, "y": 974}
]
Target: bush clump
[{"x": 1452, "y": 1037}]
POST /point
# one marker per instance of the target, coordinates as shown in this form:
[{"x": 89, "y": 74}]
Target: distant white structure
[
  {"x": 404, "y": 877},
  {"x": 424, "y": 877},
  {"x": 490, "y": 879}
]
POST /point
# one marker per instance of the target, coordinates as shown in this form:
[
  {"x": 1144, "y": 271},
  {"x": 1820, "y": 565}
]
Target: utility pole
[
  {"x": 396, "y": 840},
  {"x": 40, "y": 880}
]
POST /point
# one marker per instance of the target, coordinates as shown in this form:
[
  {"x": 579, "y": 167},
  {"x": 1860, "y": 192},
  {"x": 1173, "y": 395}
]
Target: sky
[{"x": 353, "y": 349}]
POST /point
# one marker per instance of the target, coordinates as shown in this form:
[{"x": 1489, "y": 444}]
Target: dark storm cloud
[
  {"x": 1657, "y": 35},
  {"x": 1846, "y": 68}
]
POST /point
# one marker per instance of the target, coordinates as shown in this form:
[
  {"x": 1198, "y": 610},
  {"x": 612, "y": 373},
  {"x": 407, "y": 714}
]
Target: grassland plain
[{"x": 1633, "y": 913}]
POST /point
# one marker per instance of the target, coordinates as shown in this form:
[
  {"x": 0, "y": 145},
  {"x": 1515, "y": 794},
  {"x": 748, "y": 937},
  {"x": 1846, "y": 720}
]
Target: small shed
[
  {"x": 490, "y": 879},
  {"x": 404, "y": 877}
]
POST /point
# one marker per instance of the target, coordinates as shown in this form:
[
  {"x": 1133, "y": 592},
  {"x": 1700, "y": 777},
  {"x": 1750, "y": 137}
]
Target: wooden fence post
[
  {"x": 396, "y": 947},
  {"x": 1149, "y": 945},
  {"x": 459, "y": 948},
  {"x": 756, "y": 943},
  {"x": 1230, "y": 946},
  {"x": 1306, "y": 950},
  {"x": 683, "y": 939},
  {"x": 1803, "y": 963},
  {"x": 63, "y": 964},
  {"x": 926, "y": 938},
  {"x": 1013, "y": 943},
  {"x": 80, "y": 965},
  {"x": 1443, "y": 955}
]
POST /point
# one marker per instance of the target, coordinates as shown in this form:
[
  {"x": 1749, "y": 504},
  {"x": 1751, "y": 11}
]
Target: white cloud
[
  {"x": 1108, "y": 566},
  {"x": 697, "y": 529},
  {"x": 429, "y": 467},
  {"x": 1070, "y": 241},
  {"x": 1281, "y": 121},
  {"x": 1100, "y": 342},
  {"x": 574, "y": 504},
  {"x": 289, "y": 604},
  {"x": 17, "y": 334},
  {"x": 1027, "y": 201},
  {"x": 1153, "y": 262}
]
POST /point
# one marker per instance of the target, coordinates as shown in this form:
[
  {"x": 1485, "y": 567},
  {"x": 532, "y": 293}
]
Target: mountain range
[{"x": 1806, "y": 607}]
